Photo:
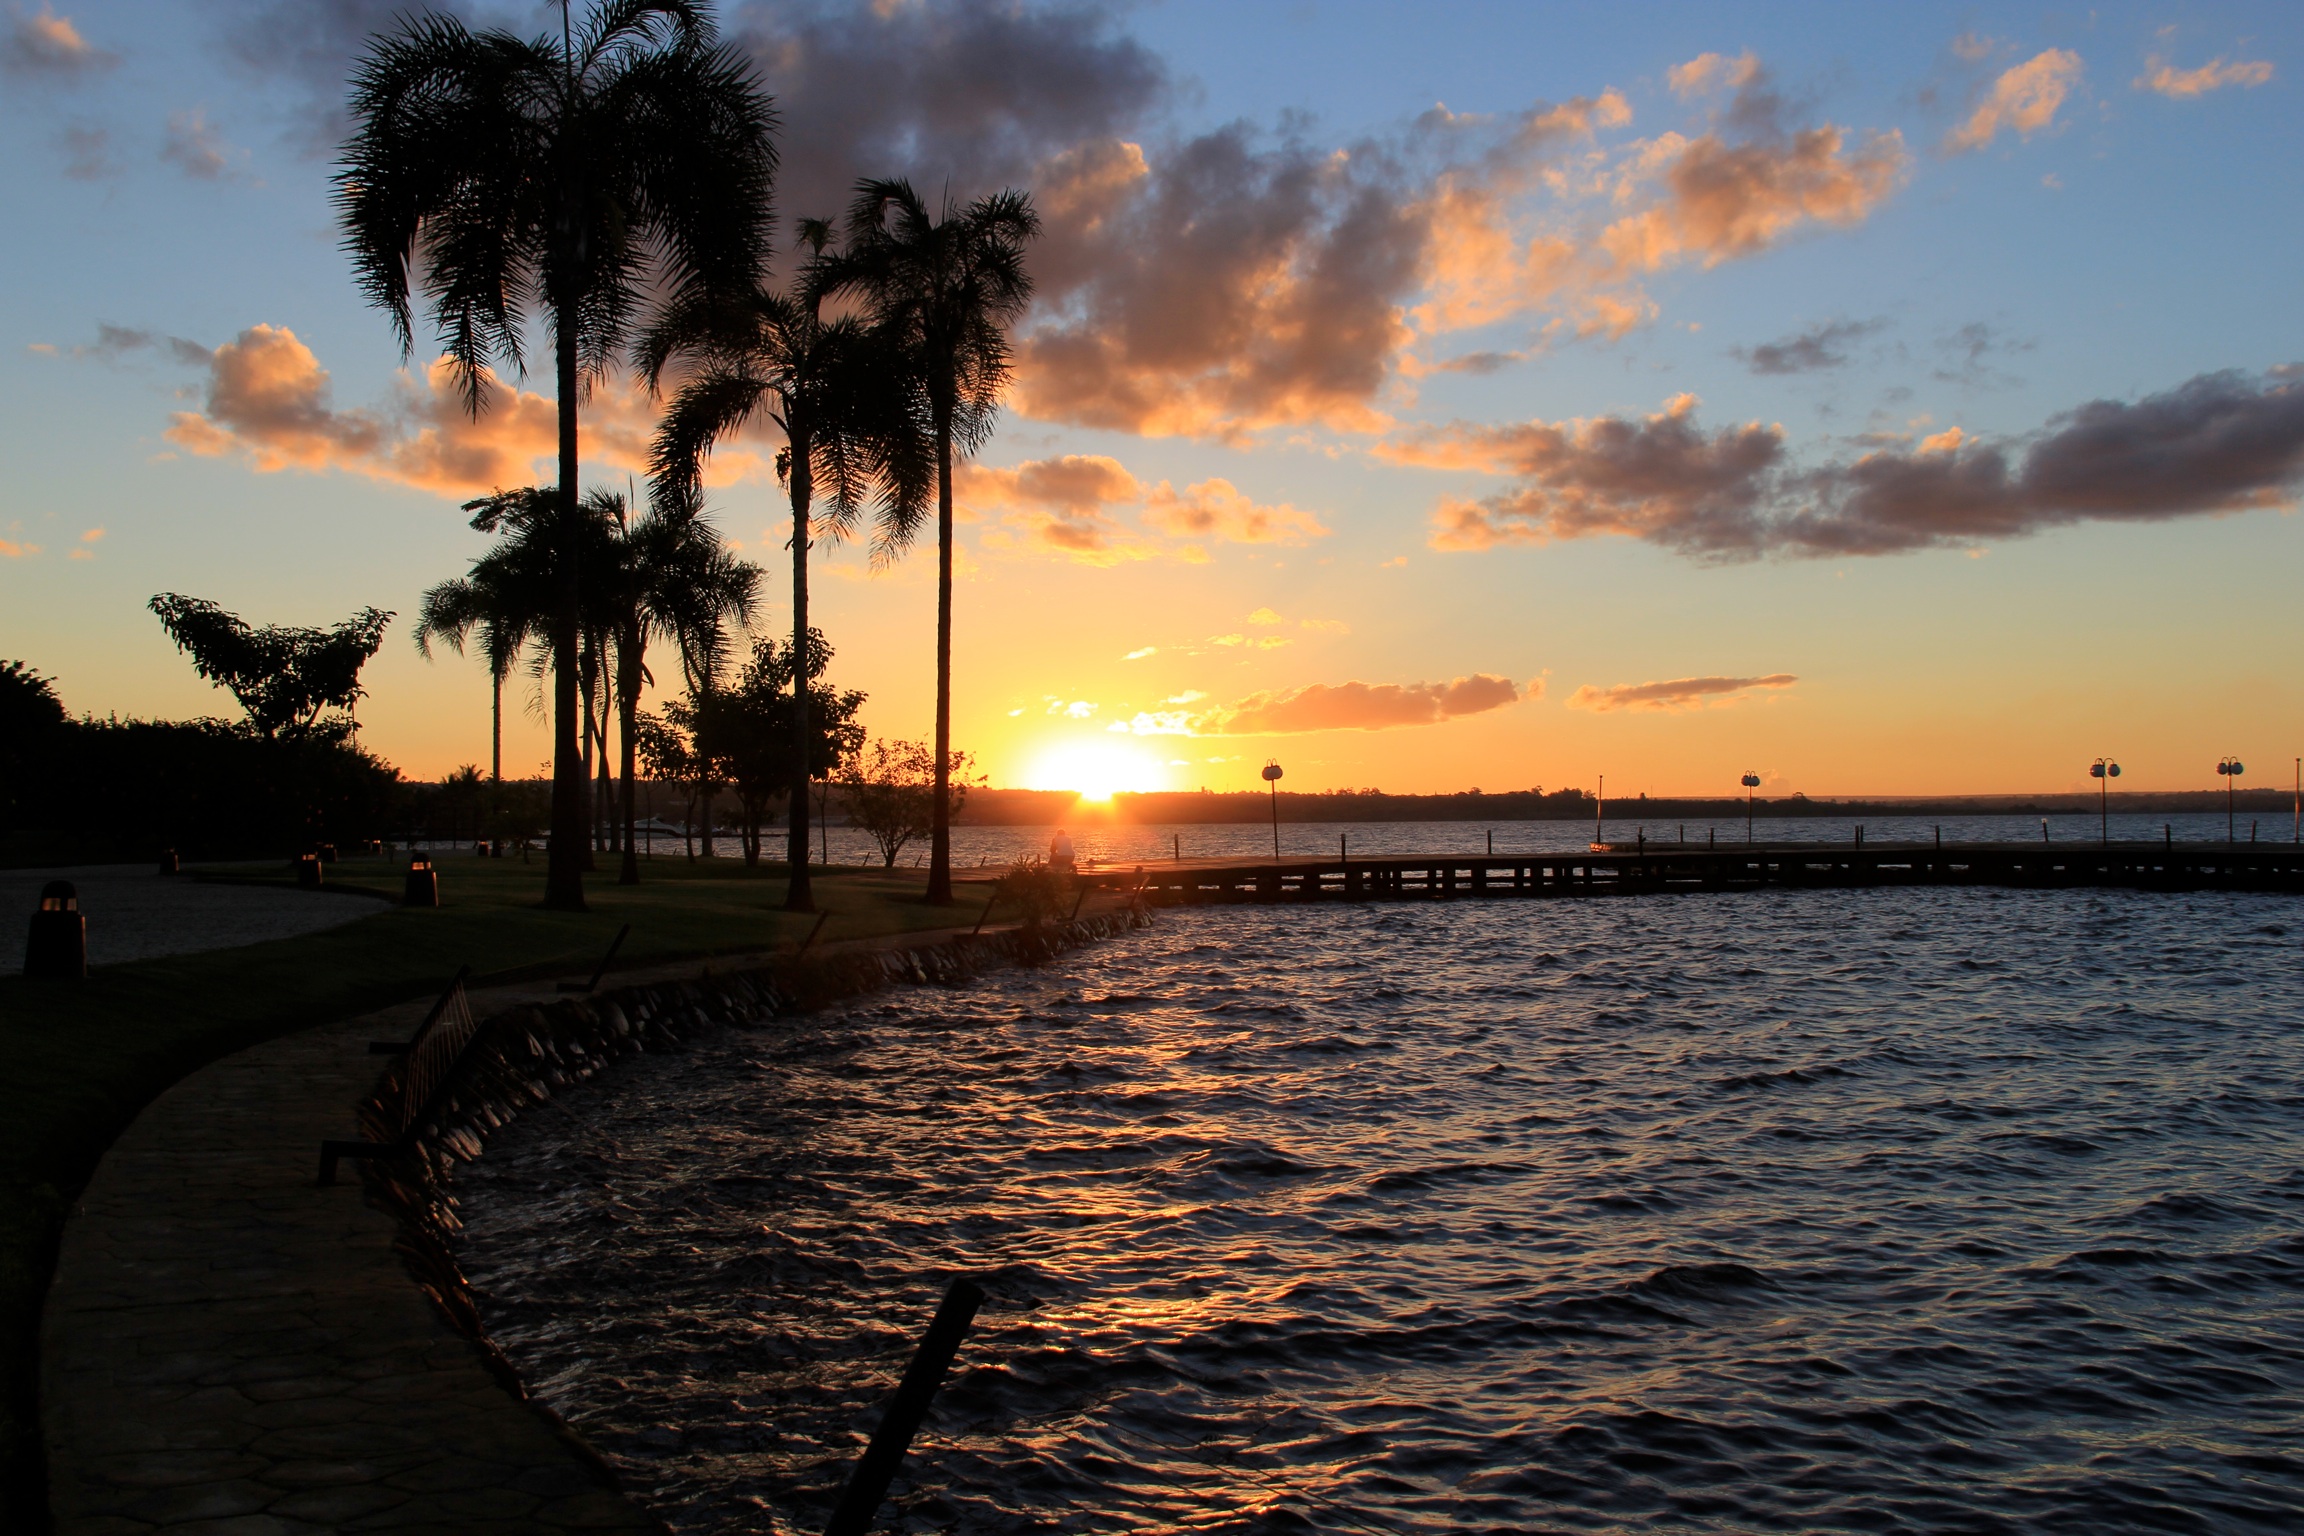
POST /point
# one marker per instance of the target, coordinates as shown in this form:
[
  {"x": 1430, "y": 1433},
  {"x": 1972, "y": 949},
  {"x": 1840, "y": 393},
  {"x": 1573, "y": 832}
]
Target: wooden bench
[{"x": 428, "y": 1061}]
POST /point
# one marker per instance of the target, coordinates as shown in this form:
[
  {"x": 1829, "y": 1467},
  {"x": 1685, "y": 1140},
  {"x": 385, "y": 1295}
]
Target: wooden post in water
[{"x": 877, "y": 1467}]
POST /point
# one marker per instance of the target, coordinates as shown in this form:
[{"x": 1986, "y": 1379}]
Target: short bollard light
[
  {"x": 308, "y": 872},
  {"x": 423, "y": 889},
  {"x": 168, "y": 863},
  {"x": 326, "y": 853},
  {"x": 58, "y": 947}
]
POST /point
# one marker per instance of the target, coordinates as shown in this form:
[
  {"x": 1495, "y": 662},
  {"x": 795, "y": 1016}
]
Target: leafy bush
[{"x": 1037, "y": 891}]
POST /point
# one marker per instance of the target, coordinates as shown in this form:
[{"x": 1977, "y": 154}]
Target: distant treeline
[{"x": 1025, "y": 807}]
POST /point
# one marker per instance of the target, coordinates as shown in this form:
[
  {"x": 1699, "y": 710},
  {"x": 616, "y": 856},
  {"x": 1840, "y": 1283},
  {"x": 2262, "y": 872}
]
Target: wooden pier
[{"x": 1620, "y": 870}]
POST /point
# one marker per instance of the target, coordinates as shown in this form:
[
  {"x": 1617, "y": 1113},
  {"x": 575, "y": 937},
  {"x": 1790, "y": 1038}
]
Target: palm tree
[
  {"x": 676, "y": 581},
  {"x": 837, "y": 389},
  {"x": 948, "y": 287},
  {"x": 506, "y": 597},
  {"x": 504, "y": 174}
]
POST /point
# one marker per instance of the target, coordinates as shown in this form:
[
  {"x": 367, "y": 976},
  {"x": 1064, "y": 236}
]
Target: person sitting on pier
[{"x": 1060, "y": 850}]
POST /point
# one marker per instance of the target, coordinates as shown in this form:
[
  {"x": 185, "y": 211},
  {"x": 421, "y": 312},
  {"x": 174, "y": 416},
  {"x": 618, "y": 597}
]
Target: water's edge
[{"x": 523, "y": 1058}]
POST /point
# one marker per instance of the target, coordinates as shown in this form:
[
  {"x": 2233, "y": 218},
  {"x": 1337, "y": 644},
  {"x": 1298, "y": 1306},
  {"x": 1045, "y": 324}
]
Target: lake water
[
  {"x": 1909, "y": 1209},
  {"x": 975, "y": 846}
]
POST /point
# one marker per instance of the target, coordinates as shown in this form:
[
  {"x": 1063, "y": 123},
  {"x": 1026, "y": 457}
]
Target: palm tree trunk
[
  {"x": 588, "y": 691},
  {"x": 628, "y": 662},
  {"x": 495, "y": 724},
  {"x": 564, "y": 876},
  {"x": 799, "y": 895},
  {"x": 940, "y": 826}
]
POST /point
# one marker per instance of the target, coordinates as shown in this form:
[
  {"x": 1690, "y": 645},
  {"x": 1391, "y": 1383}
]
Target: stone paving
[{"x": 230, "y": 1350}]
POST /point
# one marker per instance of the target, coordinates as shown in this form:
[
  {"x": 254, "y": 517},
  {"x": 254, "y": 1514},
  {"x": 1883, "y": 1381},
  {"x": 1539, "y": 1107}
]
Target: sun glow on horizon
[{"x": 1096, "y": 770}]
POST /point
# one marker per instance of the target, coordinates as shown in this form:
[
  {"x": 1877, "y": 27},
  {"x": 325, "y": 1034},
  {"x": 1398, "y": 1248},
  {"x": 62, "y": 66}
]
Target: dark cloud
[
  {"x": 1969, "y": 355},
  {"x": 1480, "y": 363},
  {"x": 966, "y": 94},
  {"x": 1679, "y": 693},
  {"x": 87, "y": 151},
  {"x": 1661, "y": 478},
  {"x": 311, "y": 46},
  {"x": 2222, "y": 442},
  {"x": 1817, "y": 348},
  {"x": 116, "y": 341},
  {"x": 196, "y": 147},
  {"x": 42, "y": 45}
]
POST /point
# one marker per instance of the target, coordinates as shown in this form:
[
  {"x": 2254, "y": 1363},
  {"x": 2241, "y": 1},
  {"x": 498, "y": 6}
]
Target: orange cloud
[
  {"x": 1216, "y": 509},
  {"x": 49, "y": 44},
  {"x": 1361, "y": 706},
  {"x": 1073, "y": 504},
  {"x": 2183, "y": 84},
  {"x": 1226, "y": 288},
  {"x": 1710, "y": 199},
  {"x": 1711, "y": 72},
  {"x": 1725, "y": 200},
  {"x": 1680, "y": 693},
  {"x": 2023, "y": 100},
  {"x": 267, "y": 400}
]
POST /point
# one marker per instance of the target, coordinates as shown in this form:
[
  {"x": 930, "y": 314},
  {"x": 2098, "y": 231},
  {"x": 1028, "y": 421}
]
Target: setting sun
[{"x": 1097, "y": 770}]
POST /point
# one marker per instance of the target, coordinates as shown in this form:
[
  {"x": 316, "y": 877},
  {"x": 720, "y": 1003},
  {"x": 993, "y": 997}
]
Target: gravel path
[{"x": 135, "y": 914}]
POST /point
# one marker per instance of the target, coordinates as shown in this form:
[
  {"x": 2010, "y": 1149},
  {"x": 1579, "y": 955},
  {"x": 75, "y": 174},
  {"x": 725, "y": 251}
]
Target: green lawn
[{"x": 81, "y": 1060}]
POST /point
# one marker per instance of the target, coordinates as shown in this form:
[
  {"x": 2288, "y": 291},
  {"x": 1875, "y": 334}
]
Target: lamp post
[
  {"x": 1272, "y": 777},
  {"x": 2103, "y": 771},
  {"x": 2230, "y": 768},
  {"x": 1751, "y": 782}
]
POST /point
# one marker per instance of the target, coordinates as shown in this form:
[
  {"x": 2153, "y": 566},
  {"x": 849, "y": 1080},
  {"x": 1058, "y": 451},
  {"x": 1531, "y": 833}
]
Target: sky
[{"x": 1882, "y": 400}]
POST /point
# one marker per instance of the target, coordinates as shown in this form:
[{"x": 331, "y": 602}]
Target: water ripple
[{"x": 1711, "y": 1213}]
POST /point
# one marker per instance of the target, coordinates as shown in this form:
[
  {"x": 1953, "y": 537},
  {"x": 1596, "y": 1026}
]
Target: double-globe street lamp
[
  {"x": 1751, "y": 782},
  {"x": 2103, "y": 771},
  {"x": 2230, "y": 769}
]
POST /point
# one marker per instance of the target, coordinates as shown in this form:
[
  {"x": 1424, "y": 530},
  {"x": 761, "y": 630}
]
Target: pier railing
[{"x": 1675, "y": 867}]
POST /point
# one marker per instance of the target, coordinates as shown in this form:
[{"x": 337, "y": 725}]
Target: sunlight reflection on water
[{"x": 1977, "y": 1212}]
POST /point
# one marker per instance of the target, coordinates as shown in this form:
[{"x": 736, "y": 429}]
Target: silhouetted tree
[
  {"x": 749, "y": 725},
  {"x": 506, "y": 597},
  {"x": 502, "y": 174},
  {"x": 845, "y": 402},
  {"x": 284, "y": 677},
  {"x": 891, "y": 792},
  {"x": 948, "y": 287},
  {"x": 32, "y": 721},
  {"x": 671, "y": 578}
]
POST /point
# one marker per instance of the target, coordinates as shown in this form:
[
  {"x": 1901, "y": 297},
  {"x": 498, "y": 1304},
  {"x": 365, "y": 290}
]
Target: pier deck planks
[{"x": 1662, "y": 867}]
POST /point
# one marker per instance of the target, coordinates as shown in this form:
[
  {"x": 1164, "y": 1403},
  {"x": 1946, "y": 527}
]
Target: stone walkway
[{"x": 229, "y": 1350}]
